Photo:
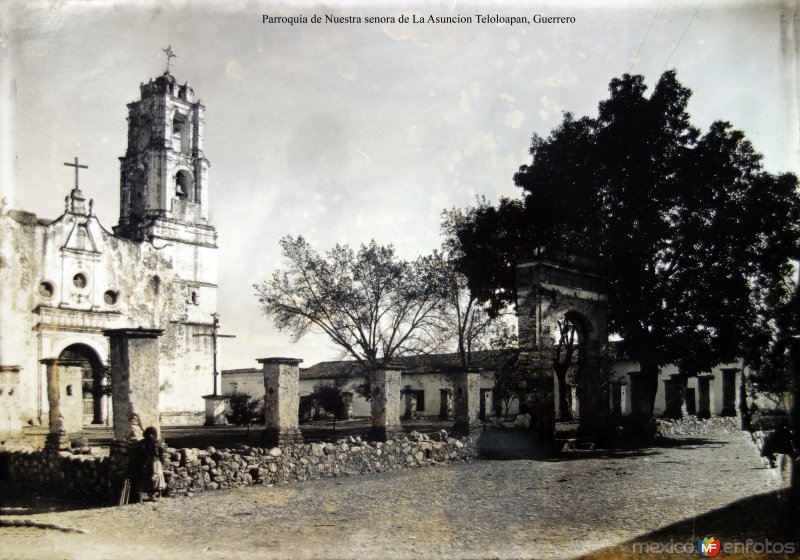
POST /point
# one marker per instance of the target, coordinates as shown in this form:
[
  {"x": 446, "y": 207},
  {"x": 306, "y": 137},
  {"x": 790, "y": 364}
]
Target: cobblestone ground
[{"x": 561, "y": 508}]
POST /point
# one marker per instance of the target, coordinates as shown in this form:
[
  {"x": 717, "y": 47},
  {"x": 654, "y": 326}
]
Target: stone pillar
[
  {"x": 445, "y": 404},
  {"x": 705, "y": 406},
  {"x": 674, "y": 393},
  {"x": 65, "y": 399},
  {"x": 134, "y": 381},
  {"x": 347, "y": 406},
  {"x": 281, "y": 401},
  {"x": 410, "y": 402},
  {"x": 216, "y": 405},
  {"x": 385, "y": 388},
  {"x": 618, "y": 397},
  {"x": 466, "y": 401},
  {"x": 728, "y": 392}
]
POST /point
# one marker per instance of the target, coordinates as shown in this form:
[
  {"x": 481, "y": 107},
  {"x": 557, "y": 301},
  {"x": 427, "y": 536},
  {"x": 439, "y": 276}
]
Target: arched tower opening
[
  {"x": 184, "y": 185},
  {"x": 181, "y": 135}
]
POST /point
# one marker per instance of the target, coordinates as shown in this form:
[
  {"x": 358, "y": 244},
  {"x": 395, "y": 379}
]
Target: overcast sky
[{"x": 347, "y": 132}]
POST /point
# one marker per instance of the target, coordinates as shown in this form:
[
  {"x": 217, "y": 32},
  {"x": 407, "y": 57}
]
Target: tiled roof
[{"x": 413, "y": 364}]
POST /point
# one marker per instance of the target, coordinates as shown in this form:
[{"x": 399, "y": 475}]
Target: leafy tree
[
  {"x": 484, "y": 243},
  {"x": 329, "y": 397},
  {"x": 695, "y": 234},
  {"x": 373, "y": 305},
  {"x": 471, "y": 324},
  {"x": 245, "y": 410}
]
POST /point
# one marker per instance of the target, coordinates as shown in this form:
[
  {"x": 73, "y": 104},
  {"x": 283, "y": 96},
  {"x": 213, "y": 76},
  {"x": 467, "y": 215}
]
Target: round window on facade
[
  {"x": 111, "y": 297},
  {"x": 46, "y": 290},
  {"x": 80, "y": 281}
]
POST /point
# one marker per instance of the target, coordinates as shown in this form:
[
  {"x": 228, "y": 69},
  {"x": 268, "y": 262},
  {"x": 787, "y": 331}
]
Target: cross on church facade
[
  {"x": 214, "y": 337},
  {"x": 77, "y": 167},
  {"x": 170, "y": 55}
]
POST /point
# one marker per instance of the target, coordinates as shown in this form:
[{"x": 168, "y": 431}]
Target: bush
[{"x": 245, "y": 410}]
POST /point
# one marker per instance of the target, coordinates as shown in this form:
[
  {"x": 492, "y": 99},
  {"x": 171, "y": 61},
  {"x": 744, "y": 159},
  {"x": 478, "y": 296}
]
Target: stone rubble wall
[
  {"x": 693, "y": 426},
  {"x": 99, "y": 479}
]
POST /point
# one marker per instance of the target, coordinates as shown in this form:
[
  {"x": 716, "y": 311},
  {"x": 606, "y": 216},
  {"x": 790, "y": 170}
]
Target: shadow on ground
[
  {"x": 757, "y": 519},
  {"x": 15, "y": 503}
]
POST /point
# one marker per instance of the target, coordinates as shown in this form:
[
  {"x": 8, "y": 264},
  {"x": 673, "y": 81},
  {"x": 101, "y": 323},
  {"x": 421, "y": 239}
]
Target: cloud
[
  {"x": 515, "y": 118},
  {"x": 564, "y": 77},
  {"x": 233, "y": 70}
]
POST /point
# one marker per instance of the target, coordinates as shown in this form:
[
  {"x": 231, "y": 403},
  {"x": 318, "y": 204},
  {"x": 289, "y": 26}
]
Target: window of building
[
  {"x": 111, "y": 297},
  {"x": 79, "y": 280},
  {"x": 46, "y": 290}
]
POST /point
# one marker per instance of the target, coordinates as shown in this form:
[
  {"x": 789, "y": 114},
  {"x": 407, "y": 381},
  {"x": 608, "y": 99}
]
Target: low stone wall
[
  {"x": 60, "y": 474},
  {"x": 693, "y": 426},
  {"x": 99, "y": 479}
]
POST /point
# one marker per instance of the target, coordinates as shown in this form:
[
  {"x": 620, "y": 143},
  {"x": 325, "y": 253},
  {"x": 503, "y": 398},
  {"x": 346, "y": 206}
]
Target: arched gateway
[
  {"x": 554, "y": 290},
  {"x": 93, "y": 381}
]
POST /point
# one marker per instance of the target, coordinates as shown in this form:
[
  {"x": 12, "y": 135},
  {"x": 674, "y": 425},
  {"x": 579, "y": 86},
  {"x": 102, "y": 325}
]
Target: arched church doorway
[{"x": 94, "y": 386}]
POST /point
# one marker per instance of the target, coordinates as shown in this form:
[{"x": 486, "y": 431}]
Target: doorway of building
[{"x": 94, "y": 386}]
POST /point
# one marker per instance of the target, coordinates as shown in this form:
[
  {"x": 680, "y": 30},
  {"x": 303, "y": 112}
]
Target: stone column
[
  {"x": 134, "y": 381},
  {"x": 411, "y": 403},
  {"x": 347, "y": 406},
  {"x": 65, "y": 398},
  {"x": 618, "y": 397},
  {"x": 728, "y": 392},
  {"x": 385, "y": 388},
  {"x": 466, "y": 401},
  {"x": 281, "y": 401},
  {"x": 445, "y": 404},
  {"x": 705, "y": 406}
]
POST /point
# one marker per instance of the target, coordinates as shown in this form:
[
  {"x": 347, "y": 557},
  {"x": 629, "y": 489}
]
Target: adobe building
[{"x": 64, "y": 282}]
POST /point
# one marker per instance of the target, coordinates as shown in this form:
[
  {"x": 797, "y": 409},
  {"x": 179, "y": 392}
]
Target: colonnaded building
[{"x": 63, "y": 282}]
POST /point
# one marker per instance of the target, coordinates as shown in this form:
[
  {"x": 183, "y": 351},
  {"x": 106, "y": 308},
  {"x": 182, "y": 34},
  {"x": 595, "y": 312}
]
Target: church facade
[{"x": 63, "y": 282}]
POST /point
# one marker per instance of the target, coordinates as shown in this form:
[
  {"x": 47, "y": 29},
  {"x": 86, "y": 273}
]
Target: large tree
[
  {"x": 693, "y": 231},
  {"x": 372, "y": 304}
]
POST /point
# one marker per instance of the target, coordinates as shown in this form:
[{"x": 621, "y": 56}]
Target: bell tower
[
  {"x": 164, "y": 173},
  {"x": 164, "y": 191}
]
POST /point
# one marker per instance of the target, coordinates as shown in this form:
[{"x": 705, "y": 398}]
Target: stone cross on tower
[{"x": 170, "y": 55}]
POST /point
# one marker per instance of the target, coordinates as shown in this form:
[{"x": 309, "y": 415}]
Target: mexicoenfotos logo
[{"x": 708, "y": 547}]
